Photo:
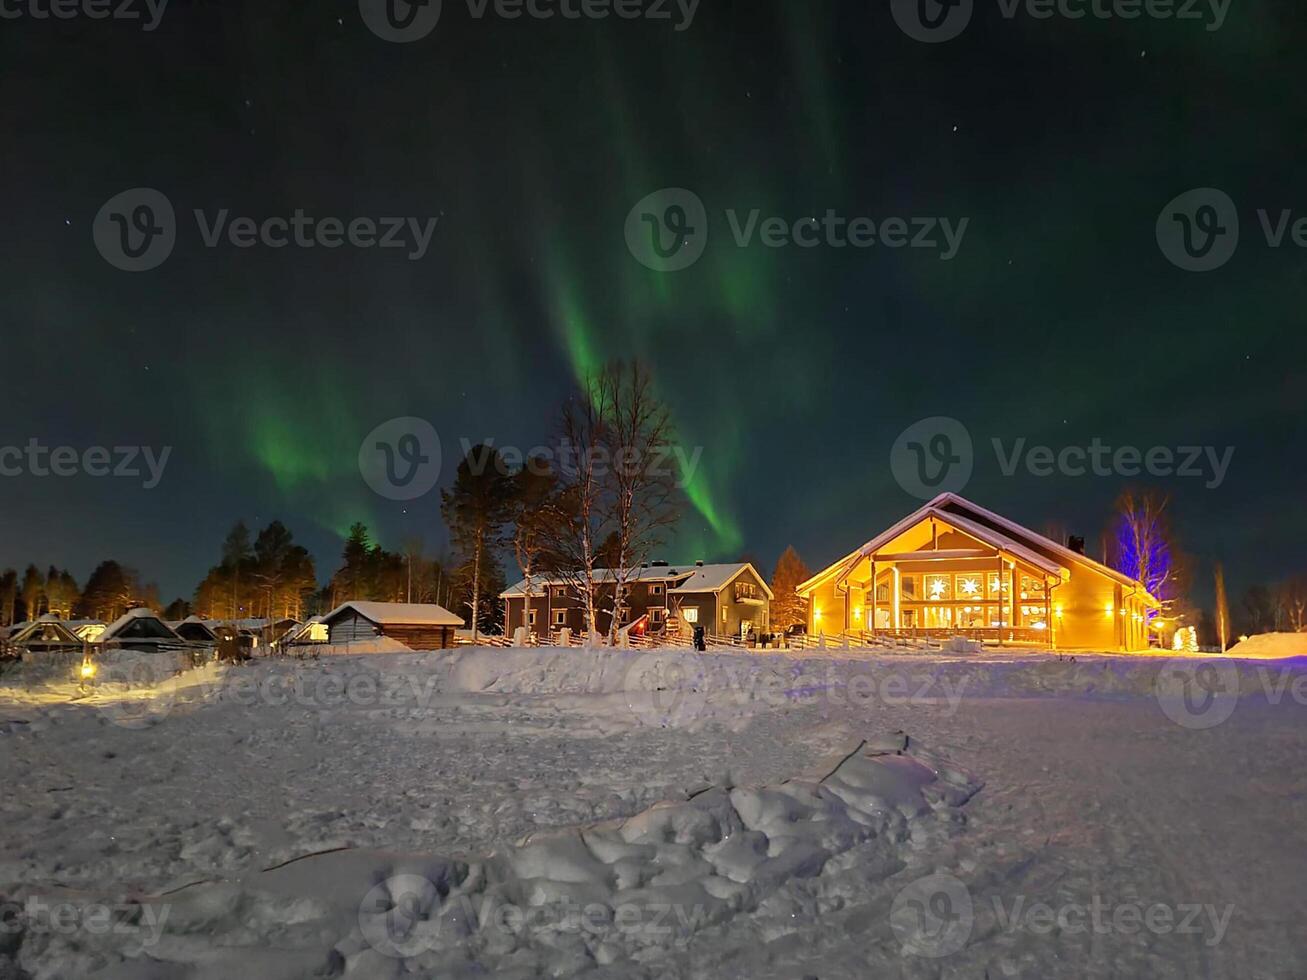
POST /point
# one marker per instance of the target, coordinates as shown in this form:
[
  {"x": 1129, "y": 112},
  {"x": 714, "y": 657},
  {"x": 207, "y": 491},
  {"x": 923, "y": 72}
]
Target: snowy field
[{"x": 555, "y": 813}]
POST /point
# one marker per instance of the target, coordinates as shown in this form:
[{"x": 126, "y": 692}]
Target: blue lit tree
[{"x": 1143, "y": 544}]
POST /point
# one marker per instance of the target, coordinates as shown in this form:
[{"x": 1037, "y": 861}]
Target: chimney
[
  {"x": 699, "y": 564},
  {"x": 1076, "y": 544}
]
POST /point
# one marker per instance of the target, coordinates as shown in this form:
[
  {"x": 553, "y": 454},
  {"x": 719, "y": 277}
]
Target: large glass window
[
  {"x": 938, "y": 617},
  {"x": 908, "y": 587},
  {"x": 1033, "y": 617},
  {"x": 939, "y": 588},
  {"x": 998, "y": 585},
  {"x": 1032, "y": 588},
  {"x": 971, "y": 617},
  {"x": 969, "y": 586}
]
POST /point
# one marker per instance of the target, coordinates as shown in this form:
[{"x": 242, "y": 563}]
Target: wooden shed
[{"x": 418, "y": 627}]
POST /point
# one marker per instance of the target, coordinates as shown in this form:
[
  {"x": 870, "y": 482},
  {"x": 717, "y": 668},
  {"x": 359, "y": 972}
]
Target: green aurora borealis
[{"x": 794, "y": 369}]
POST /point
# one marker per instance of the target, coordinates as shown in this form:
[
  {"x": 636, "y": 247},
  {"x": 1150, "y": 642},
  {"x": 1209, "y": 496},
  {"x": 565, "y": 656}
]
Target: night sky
[{"x": 1058, "y": 320}]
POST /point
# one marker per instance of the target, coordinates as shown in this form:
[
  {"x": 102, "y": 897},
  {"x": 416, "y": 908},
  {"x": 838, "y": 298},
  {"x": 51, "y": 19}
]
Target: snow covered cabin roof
[
  {"x": 689, "y": 578},
  {"x": 46, "y": 630},
  {"x": 398, "y": 614},
  {"x": 148, "y": 623}
]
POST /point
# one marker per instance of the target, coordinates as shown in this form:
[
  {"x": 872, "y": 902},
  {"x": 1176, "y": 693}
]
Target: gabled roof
[
  {"x": 302, "y": 630},
  {"x": 714, "y": 578},
  {"x": 191, "y": 622},
  {"x": 1039, "y": 542},
  {"x": 47, "y": 629},
  {"x": 398, "y": 614},
  {"x": 986, "y": 526},
  {"x": 122, "y": 622}
]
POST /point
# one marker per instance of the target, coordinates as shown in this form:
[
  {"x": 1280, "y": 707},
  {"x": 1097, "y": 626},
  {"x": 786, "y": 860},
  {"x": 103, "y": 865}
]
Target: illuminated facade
[{"x": 953, "y": 567}]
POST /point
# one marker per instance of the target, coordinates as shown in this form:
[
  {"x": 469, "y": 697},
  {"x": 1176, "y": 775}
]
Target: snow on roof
[
  {"x": 1010, "y": 536},
  {"x": 650, "y": 573},
  {"x": 714, "y": 578},
  {"x": 398, "y": 614},
  {"x": 1039, "y": 540},
  {"x": 65, "y": 635},
  {"x": 121, "y": 623}
]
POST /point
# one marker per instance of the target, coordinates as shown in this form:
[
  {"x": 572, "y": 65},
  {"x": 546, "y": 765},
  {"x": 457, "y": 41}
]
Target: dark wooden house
[{"x": 418, "y": 627}]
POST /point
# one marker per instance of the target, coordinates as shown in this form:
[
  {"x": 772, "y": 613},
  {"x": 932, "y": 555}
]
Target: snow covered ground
[{"x": 526, "y": 813}]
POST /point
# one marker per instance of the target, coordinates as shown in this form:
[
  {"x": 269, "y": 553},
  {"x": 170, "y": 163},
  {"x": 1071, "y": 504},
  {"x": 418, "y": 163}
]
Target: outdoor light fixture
[{"x": 88, "y": 669}]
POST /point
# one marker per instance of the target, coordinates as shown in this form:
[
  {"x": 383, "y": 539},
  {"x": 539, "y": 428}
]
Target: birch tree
[
  {"x": 641, "y": 500},
  {"x": 573, "y": 534}
]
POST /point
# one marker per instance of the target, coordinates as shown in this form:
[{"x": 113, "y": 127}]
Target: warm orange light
[{"x": 88, "y": 669}]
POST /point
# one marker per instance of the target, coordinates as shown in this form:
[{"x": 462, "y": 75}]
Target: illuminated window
[
  {"x": 939, "y": 587},
  {"x": 690, "y": 615},
  {"x": 1031, "y": 588},
  {"x": 969, "y": 586},
  {"x": 971, "y": 617},
  {"x": 908, "y": 587},
  {"x": 938, "y": 617},
  {"x": 997, "y": 587}
]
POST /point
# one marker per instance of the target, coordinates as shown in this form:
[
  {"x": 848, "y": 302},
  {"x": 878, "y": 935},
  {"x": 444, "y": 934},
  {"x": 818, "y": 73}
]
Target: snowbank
[{"x": 1271, "y": 646}]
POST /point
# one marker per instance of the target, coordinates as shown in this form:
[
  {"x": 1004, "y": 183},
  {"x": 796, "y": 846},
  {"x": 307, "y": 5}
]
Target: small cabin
[
  {"x": 417, "y": 626},
  {"x": 195, "y": 630},
  {"x": 140, "y": 629},
  {"x": 46, "y": 635}
]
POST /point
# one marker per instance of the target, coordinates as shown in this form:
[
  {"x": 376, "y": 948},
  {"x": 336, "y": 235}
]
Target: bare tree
[
  {"x": 1143, "y": 544},
  {"x": 572, "y": 536},
  {"x": 1222, "y": 610},
  {"x": 641, "y": 502},
  {"x": 1291, "y": 604}
]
